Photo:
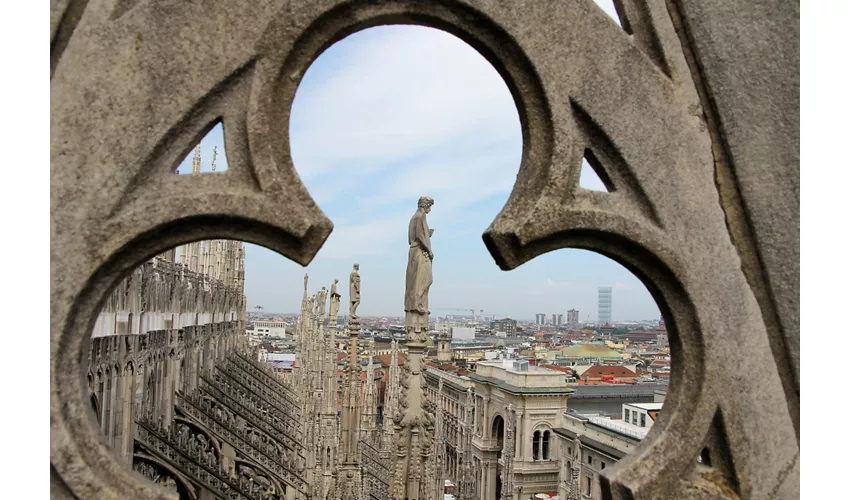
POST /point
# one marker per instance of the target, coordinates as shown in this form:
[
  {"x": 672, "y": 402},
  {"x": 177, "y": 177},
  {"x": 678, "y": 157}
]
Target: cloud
[
  {"x": 373, "y": 237},
  {"x": 550, "y": 283},
  {"x": 395, "y": 96}
]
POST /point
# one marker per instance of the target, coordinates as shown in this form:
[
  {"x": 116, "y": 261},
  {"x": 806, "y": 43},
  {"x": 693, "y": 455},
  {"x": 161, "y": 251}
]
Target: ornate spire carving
[
  {"x": 349, "y": 479},
  {"x": 369, "y": 423},
  {"x": 413, "y": 471},
  {"x": 391, "y": 403},
  {"x": 329, "y": 424},
  {"x": 196, "y": 160}
]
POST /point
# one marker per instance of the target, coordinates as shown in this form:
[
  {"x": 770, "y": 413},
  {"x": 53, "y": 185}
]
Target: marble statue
[
  {"x": 354, "y": 291},
  {"x": 323, "y": 300},
  {"x": 419, "y": 276},
  {"x": 334, "y": 301}
]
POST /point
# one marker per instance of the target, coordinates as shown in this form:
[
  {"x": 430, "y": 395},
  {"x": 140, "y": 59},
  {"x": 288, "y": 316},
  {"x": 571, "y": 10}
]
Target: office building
[
  {"x": 605, "y": 304},
  {"x": 572, "y": 318}
]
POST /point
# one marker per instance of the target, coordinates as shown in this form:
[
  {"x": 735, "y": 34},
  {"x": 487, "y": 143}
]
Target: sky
[{"x": 393, "y": 113}]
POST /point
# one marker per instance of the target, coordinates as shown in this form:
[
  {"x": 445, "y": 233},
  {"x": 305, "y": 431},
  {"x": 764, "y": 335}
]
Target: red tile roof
[
  {"x": 616, "y": 371},
  {"x": 386, "y": 358}
]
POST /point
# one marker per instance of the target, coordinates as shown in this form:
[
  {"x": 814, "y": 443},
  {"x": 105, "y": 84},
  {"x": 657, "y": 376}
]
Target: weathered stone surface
[{"x": 695, "y": 116}]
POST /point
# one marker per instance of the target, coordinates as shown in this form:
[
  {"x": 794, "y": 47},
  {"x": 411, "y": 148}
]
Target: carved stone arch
[
  {"x": 185, "y": 485},
  {"x": 580, "y": 58},
  {"x": 542, "y": 425},
  {"x": 494, "y": 423},
  {"x": 95, "y": 405},
  {"x": 130, "y": 368}
]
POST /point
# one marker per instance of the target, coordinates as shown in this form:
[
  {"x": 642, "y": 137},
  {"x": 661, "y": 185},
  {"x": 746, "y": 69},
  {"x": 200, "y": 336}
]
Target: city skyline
[{"x": 397, "y": 112}]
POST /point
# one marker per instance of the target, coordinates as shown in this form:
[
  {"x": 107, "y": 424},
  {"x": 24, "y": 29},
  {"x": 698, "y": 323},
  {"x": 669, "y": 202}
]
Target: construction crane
[{"x": 473, "y": 310}]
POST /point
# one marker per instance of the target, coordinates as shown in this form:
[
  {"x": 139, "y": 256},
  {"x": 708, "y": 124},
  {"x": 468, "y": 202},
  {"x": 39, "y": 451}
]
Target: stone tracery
[{"x": 99, "y": 242}]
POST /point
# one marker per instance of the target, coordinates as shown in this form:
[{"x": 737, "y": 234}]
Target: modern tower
[
  {"x": 572, "y": 318},
  {"x": 605, "y": 300}
]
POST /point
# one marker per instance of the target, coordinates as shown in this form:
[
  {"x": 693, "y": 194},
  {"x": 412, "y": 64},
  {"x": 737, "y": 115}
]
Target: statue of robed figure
[
  {"x": 419, "y": 275},
  {"x": 354, "y": 291}
]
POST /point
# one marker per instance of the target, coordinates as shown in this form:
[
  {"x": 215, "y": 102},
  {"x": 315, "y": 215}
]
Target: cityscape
[
  {"x": 214, "y": 400},
  {"x": 424, "y": 250}
]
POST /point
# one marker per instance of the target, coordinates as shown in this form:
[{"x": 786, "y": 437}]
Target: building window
[
  {"x": 603, "y": 465},
  {"x": 545, "y": 445},
  {"x": 634, "y": 417},
  {"x": 643, "y": 419},
  {"x": 535, "y": 445},
  {"x": 588, "y": 484},
  {"x": 589, "y": 460},
  {"x": 628, "y": 416}
]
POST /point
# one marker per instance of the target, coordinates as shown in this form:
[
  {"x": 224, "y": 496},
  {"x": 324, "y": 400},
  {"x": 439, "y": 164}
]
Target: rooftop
[
  {"x": 617, "y": 391},
  {"x": 508, "y": 365},
  {"x": 648, "y": 406},
  {"x": 620, "y": 426},
  {"x": 589, "y": 351},
  {"x": 532, "y": 380}
]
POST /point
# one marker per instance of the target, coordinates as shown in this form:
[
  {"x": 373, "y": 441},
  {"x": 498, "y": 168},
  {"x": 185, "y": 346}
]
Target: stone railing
[
  {"x": 376, "y": 473},
  {"x": 264, "y": 374},
  {"x": 249, "y": 382},
  {"x": 266, "y": 454},
  {"x": 246, "y": 408},
  {"x": 205, "y": 470},
  {"x": 289, "y": 424},
  {"x": 288, "y": 388}
]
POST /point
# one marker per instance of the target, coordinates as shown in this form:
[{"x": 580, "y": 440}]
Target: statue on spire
[
  {"x": 413, "y": 474},
  {"x": 334, "y": 303},
  {"x": 196, "y": 160},
  {"x": 354, "y": 292},
  {"x": 419, "y": 274}
]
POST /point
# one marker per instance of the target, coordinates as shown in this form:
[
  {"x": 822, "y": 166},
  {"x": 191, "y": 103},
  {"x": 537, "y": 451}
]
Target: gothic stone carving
[{"x": 668, "y": 109}]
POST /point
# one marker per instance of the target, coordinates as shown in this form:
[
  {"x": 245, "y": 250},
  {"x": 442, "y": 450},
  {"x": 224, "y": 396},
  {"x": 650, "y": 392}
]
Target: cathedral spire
[
  {"x": 349, "y": 480},
  {"x": 412, "y": 474},
  {"x": 196, "y": 161},
  {"x": 370, "y": 406},
  {"x": 215, "y": 153},
  {"x": 390, "y": 403}
]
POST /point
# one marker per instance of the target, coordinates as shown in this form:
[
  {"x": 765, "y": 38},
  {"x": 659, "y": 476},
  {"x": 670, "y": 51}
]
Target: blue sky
[{"x": 393, "y": 113}]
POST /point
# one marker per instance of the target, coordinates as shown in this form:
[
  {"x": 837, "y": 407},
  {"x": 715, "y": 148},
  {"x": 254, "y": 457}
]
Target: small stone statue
[
  {"x": 333, "y": 289},
  {"x": 354, "y": 291},
  {"x": 334, "y": 300}
]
